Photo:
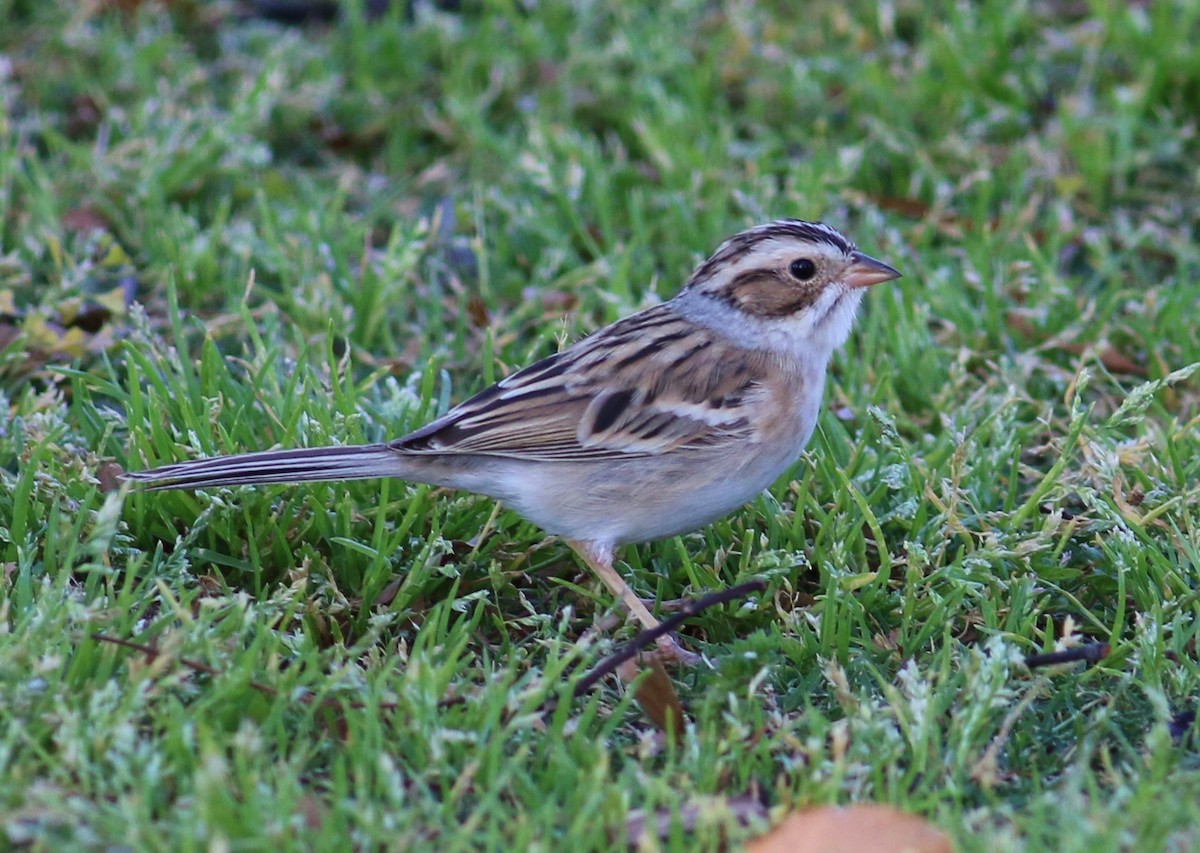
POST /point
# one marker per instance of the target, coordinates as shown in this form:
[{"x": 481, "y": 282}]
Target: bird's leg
[{"x": 598, "y": 557}]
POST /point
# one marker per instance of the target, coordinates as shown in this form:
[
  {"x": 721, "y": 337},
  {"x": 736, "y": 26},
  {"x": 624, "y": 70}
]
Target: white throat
[{"x": 810, "y": 337}]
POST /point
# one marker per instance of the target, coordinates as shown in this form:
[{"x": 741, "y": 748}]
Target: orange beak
[{"x": 866, "y": 271}]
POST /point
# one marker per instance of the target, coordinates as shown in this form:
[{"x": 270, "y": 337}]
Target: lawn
[{"x": 222, "y": 232}]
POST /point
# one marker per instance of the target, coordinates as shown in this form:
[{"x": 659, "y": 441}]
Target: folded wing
[{"x": 646, "y": 385}]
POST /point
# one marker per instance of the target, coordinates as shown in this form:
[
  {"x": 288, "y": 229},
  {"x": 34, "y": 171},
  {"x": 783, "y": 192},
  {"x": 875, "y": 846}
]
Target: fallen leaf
[
  {"x": 1117, "y": 362},
  {"x": 556, "y": 301},
  {"x": 83, "y": 219},
  {"x": 478, "y": 312},
  {"x": 314, "y": 811},
  {"x": 49, "y": 337},
  {"x": 889, "y": 642},
  {"x": 8, "y": 335},
  {"x": 118, "y": 300},
  {"x": 1128, "y": 506},
  {"x": 108, "y": 475},
  {"x": 1113, "y": 359},
  {"x": 852, "y": 829},
  {"x": 655, "y": 694}
]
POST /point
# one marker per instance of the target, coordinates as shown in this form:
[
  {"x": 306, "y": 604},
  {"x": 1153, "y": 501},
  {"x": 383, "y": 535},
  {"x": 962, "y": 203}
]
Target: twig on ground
[
  {"x": 645, "y": 638},
  {"x": 1091, "y": 652},
  {"x": 153, "y": 652},
  {"x": 605, "y": 667}
]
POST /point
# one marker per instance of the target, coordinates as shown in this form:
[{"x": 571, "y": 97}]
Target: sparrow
[{"x": 655, "y": 425}]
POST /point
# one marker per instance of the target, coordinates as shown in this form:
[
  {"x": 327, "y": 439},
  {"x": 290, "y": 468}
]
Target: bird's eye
[{"x": 803, "y": 269}]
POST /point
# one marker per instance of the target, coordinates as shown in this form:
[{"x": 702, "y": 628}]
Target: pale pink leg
[{"x": 598, "y": 557}]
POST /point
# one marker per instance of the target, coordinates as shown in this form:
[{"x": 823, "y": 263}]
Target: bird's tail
[{"x": 306, "y": 465}]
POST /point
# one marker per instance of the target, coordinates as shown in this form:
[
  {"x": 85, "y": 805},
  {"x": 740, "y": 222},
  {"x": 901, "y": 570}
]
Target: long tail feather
[{"x": 305, "y": 465}]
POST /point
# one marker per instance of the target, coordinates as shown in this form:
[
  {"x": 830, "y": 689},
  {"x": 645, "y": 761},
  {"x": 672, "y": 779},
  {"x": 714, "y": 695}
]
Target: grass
[{"x": 219, "y": 234}]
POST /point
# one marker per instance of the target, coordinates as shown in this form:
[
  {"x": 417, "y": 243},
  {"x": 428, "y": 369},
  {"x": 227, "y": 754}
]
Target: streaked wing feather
[{"x": 648, "y": 384}]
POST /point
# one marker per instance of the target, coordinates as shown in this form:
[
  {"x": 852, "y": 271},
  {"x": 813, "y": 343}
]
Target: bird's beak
[{"x": 865, "y": 271}]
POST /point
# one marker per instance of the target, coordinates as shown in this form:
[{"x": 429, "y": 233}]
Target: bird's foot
[{"x": 671, "y": 653}]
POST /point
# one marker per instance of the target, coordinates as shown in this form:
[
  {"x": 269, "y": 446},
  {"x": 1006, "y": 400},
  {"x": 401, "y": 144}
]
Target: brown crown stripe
[
  {"x": 811, "y": 231},
  {"x": 740, "y": 245}
]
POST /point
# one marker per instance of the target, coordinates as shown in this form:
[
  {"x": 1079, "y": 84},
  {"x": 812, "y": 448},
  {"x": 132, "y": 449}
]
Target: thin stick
[
  {"x": 606, "y": 666},
  {"x": 153, "y": 652},
  {"x": 645, "y": 638},
  {"x": 1092, "y": 652}
]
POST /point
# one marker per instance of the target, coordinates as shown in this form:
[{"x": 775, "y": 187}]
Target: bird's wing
[{"x": 648, "y": 384}]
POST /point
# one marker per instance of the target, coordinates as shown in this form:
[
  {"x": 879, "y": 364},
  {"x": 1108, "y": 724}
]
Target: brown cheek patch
[{"x": 769, "y": 295}]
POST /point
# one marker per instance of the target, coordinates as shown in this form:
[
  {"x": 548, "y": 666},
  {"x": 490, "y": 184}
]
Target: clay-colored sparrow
[{"x": 653, "y": 426}]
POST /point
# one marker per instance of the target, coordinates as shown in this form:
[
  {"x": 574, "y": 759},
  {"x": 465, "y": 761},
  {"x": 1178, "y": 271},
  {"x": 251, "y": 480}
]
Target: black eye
[{"x": 803, "y": 269}]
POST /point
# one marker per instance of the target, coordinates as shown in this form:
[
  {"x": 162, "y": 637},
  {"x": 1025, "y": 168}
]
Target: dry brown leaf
[
  {"x": 8, "y": 335},
  {"x": 477, "y": 310},
  {"x": 553, "y": 301},
  {"x": 314, "y": 811},
  {"x": 1128, "y": 505},
  {"x": 852, "y": 829},
  {"x": 108, "y": 475},
  {"x": 655, "y": 694},
  {"x": 1113, "y": 359},
  {"x": 84, "y": 219}
]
